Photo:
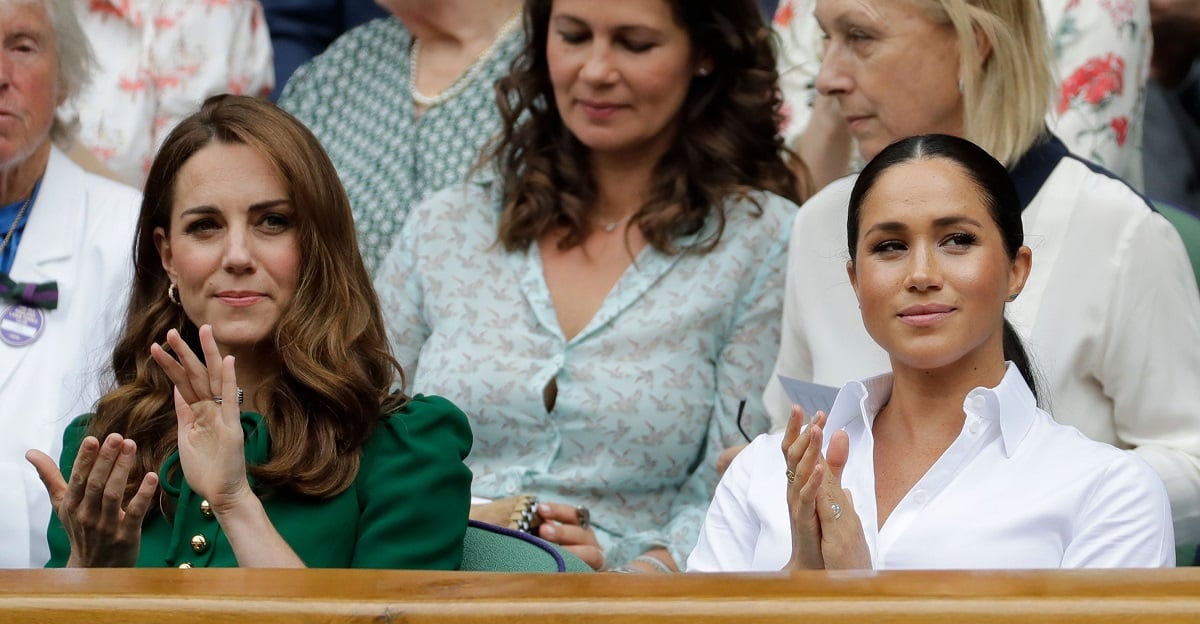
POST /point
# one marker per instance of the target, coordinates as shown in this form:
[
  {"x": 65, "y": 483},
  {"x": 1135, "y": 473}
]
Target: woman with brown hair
[
  {"x": 282, "y": 445},
  {"x": 603, "y": 305}
]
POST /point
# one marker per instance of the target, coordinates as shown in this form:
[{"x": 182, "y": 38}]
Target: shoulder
[
  {"x": 828, "y": 207},
  {"x": 107, "y": 209},
  {"x": 427, "y": 423},
  {"x": 349, "y": 60},
  {"x": 471, "y": 204},
  {"x": 1077, "y": 458}
]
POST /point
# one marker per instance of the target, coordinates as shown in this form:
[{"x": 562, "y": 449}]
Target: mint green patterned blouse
[
  {"x": 648, "y": 392},
  {"x": 355, "y": 97}
]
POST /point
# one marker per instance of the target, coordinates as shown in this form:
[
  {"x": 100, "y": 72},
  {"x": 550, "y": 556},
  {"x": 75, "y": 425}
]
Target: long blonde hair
[{"x": 1006, "y": 95}]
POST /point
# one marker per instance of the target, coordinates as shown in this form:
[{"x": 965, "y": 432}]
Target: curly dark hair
[
  {"x": 727, "y": 144},
  {"x": 336, "y": 370}
]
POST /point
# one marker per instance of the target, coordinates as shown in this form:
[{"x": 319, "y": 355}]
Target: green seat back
[
  {"x": 489, "y": 548},
  {"x": 1188, "y": 226}
]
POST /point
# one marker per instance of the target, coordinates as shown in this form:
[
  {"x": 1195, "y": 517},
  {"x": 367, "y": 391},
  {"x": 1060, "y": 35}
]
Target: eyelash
[
  {"x": 961, "y": 239},
  {"x": 571, "y": 38}
]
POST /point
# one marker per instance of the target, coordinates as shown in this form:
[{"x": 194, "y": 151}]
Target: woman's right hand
[
  {"x": 806, "y": 471},
  {"x": 101, "y": 533}
]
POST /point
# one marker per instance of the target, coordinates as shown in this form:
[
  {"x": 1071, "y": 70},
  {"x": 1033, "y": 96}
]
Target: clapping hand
[
  {"x": 211, "y": 443},
  {"x": 826, "y": 530},
  {"x": 101, "y": 532}
]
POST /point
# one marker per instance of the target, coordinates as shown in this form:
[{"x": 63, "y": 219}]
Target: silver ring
[
  {"x": 241, "y": 396},
  {"x": 583, "y": 517},
  {"x": 837, "y": 510},
  {"x": 217, "y": 399}
]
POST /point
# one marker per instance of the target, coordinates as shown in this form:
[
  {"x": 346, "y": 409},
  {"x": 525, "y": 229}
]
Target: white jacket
[{"x": 80, "y": 234}]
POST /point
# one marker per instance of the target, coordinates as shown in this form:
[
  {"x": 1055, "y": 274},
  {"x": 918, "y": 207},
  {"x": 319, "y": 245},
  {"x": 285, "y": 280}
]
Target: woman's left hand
[
  {"x": 211, "y": 444},
  {"x": 570, "y": 527},
  {"x": 843, "y": 542}
]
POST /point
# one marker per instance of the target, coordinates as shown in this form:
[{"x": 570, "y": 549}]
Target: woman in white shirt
[{"x": 947, "y": 462}]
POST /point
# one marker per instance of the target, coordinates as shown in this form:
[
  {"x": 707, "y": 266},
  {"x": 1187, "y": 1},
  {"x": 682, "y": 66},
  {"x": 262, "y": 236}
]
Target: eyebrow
[
  {"x": 621, "y": 28},
  {"x": 940, "y": 222},
  {"x": 256, "y": 207}
]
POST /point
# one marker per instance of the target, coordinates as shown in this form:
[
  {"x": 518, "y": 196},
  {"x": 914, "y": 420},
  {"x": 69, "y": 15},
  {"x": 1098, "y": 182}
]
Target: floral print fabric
[
  {"x": 648, "y": 392},
  {"x": 158, "y": 60},
  {"x": 1101, "y": 53}
]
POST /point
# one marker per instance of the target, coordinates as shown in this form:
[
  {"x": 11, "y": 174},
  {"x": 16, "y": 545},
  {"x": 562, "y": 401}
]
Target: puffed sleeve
[
  {"x": 414, "y": 491},
  {"x": 747, "y": 354},
  {"x": 56, "y": 536}
]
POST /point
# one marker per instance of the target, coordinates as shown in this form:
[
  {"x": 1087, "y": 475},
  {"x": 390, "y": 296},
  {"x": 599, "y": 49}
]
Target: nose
[
  {"x": 923, "y": 270},
  {"x": 239, "y": 253},
  {"x": 5, "y": 69},
  {"x": 598, "y": 66},
  {"x": 834, "y": 77}
]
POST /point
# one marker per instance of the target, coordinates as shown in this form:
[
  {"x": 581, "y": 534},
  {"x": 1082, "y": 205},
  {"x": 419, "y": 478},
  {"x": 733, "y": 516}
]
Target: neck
[
  {"x": 17, "y": 181},
  {"x": 466, "y": 25},
  {"x": 622, "y": 186},
  {"x": 927, "y": 404}
]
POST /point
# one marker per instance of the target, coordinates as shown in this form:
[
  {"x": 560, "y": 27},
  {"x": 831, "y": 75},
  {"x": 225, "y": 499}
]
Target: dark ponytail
[{"x": 1014, "y": 351}]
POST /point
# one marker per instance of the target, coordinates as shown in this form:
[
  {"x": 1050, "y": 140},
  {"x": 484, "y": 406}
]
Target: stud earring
[
  {"x": 1013, "y": 297},
  {"x": 702, "y": 72}
]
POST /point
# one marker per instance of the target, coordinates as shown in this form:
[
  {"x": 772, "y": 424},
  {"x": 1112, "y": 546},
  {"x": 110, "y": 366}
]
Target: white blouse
[{"x": 1014, "y": 490}]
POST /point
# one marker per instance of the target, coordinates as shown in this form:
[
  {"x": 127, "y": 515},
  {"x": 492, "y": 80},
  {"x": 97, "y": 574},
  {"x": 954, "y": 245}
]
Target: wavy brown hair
[
  {"x": 727, "y": 145},
  {"x": 335, "y": 369}
]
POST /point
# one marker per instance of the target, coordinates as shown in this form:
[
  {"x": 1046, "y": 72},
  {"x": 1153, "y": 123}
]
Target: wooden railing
[{"x": 336, "y": 596}]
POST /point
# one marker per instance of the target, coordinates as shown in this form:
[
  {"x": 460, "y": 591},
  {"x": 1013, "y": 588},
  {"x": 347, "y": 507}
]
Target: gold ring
[{"x": 791, "y": 476}]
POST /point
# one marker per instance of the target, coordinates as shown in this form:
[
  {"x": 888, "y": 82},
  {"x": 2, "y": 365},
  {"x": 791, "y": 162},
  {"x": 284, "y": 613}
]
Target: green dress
[{"x": 407, "y": 508}]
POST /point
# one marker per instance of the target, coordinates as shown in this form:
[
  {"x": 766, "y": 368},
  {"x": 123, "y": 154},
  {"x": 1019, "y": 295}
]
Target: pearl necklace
[{"x": 465, "y": 79}]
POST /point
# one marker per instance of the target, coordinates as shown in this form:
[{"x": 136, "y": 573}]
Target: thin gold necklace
[{"x": 465, "y": 79}]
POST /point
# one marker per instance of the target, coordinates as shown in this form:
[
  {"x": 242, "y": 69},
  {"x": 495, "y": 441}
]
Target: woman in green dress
[{"x": 252, "y": 422}]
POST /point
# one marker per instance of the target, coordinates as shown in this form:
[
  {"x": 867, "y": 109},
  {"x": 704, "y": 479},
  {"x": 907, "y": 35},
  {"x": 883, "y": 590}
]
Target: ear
[
  {"x": 702, "y": 66},
  {"x": 1021, "y": 266},
  {"x": 853, "y": 277},
  {"x": 983, "y": 45},
  {"x": 163, "y": 244}
]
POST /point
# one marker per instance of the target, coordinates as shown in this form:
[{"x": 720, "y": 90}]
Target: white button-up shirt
[{"x": 1014, "y": 490}]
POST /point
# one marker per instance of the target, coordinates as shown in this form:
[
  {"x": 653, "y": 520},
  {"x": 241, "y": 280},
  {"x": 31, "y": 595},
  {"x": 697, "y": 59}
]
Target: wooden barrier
[{"x": 337, "y": 596}]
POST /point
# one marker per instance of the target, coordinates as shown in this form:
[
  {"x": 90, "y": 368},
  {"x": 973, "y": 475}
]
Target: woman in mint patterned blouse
[
  {"x": 397, "y": 138},
  {"x": 602, "y": 304}
]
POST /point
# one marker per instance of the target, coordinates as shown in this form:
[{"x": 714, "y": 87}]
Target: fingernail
[
  {"x": 548, "y": 530},
  {"x": 544, "y": 509}
]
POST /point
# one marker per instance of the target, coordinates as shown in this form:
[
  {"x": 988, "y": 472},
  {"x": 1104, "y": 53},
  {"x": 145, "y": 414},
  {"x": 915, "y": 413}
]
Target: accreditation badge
[{"x": 21, "y": 325}]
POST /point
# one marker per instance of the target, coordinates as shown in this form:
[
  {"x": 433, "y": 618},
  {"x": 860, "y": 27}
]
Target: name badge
[{"x": 21, "y": 325}]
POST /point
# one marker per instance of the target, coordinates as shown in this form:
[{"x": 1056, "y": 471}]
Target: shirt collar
[{"x": 1011, "y": 402}]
